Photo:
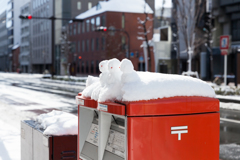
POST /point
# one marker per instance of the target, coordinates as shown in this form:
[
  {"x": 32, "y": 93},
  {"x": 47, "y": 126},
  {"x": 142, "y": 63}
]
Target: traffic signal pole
[{"x": 53, "y": 18}]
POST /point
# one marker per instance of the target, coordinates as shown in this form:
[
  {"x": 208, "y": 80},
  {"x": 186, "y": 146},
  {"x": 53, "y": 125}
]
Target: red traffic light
[
  {"x": 101, "y": 28},
  {"x": 29, "y": 17},
  {"x": 80, "y": 57}
]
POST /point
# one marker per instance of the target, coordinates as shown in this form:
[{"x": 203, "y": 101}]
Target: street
[{"x": 25, "y": 97}]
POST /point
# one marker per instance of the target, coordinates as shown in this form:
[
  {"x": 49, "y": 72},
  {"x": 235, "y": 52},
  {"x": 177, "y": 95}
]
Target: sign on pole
[{"x": 224, "y": 44}]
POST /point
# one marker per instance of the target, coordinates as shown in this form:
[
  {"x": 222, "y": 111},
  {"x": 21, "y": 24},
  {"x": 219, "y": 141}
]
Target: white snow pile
[
  {"x": 58, "y": 123},
  {"x": 119, "y": 81}
]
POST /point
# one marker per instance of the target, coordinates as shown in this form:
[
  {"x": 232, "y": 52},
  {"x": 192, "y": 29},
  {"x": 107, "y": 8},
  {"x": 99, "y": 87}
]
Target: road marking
[{"x": 229, "y": 120}]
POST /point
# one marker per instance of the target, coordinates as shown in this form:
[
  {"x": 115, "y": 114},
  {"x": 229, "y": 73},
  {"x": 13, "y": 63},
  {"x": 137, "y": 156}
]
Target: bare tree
[
  {"x": 187, "y": 14},
  {"x": 144, "y": 33},
  {"x": 65, "y": 48}
]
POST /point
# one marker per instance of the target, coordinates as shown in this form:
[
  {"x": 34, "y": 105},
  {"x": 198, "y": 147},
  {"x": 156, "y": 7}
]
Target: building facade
[
  {"x": 227, "y": 22},
  {"x": 91, "y": 47},
  {"x": 3, "y": 43},
  {"x": 25, "y": 47}
]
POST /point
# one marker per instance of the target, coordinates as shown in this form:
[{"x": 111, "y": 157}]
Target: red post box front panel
[{"x": 175, "y": 137}]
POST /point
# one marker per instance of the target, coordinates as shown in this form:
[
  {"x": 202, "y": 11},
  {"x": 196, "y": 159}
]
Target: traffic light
[
  {"x": 79, "y": 57},
  {"x": 25, "y": 17},
  {"x": 101, "y": 29}
]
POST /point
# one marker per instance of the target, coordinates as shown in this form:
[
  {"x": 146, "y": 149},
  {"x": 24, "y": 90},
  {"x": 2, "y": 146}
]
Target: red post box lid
[
  {"x": 164, "y": 106},
  {"x": 86, "y": 102}
]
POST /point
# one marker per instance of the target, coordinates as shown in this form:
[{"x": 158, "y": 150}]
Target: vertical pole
[
  {"x": 53, "y": 42},
  {"x": 225, "y": 69}
]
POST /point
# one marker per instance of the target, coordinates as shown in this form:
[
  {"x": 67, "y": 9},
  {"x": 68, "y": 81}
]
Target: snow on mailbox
[{"x": 129, "y": 115}]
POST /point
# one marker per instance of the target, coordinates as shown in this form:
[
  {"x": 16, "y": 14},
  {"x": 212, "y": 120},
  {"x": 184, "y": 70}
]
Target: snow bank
[
  {"x": 58, "y": 123},
  {"x": 125, "y": 84}
]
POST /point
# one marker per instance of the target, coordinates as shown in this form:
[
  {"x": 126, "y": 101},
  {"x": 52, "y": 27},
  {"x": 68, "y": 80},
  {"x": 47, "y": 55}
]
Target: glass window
[
  {"x": 74, "y": 29},
  {"x": 78, "y": 46},
  {"x": 123, "y": 21},
  {"x": 82, "y": 68},
  {"x": 83, "y": 46},
  {"x": 93, "y": 24},
  {"x": 103, "y": 22},
  {"x": 123, "y": 43},
  {"x": 97, "y": 67},
  {"x": 103, "y": 43},
  {"x": 83, "y": 27},
  {"x": 87, "y": 47},
  {"x": 87, "y": 67},
  {"x": 97, "y": 21},
  {"x": 89, "y": 5},
  {"x": 70, "y": 30},
  {"x": 92, "y": 44},
  {"x": 97, "y": 44},
  {"x": 87, "y": 25},
  {"x": 79, "y": 28},
  {"x": 92, "y": 66},
  {"x": 79, "y": 5}
]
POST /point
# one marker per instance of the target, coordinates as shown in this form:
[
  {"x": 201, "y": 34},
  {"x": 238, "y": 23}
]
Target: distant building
[
  {"x": 163, "y": 17},
  {"x": 25, "y": 47},
  {"x": 4, "y": 58},
  {"x": 42, "y": 34},
  {"x": 91, "y": 47},
  {"x": 15, "y": 58},
  {"x": 227, "y": 22}
]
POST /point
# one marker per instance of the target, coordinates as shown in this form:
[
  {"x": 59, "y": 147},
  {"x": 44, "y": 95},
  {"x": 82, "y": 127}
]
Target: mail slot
[{"x": 176, "y": 128}]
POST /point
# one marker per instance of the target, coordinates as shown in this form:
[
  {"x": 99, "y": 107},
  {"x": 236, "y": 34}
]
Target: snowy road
[{"x": 25, "y": 97}]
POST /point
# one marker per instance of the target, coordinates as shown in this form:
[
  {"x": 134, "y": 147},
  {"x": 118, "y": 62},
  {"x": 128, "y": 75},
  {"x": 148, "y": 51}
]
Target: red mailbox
[{"x": 177, "y": 128}]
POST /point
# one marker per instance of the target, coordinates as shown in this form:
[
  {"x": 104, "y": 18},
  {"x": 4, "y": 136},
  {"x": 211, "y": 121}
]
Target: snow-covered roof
[
  {"x": 15, "y": 47},
  {"x": 131, "y": 6}
]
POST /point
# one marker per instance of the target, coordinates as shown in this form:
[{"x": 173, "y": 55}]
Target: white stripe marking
[
  {"x": 229, "y": 120},
  {"x": 180, "y": 127}
]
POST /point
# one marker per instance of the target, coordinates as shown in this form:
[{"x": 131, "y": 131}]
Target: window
[
  {"x": 79, "y": 28},
  {"x": 70, "y": 30},
  {"x": 78, "y": 46},
  {"x": 103, "y": 22},
  {"x": 97, "y": 44},
  {"x": 123, "y": 21},
  {"x": 236, "y": 30},
  {"x": 79, "y": 6},
  {"x": 92, "y": 44},
  {"x": 87, "y": 47},
  {"x": 89, "y": 5},
  {"x": 92, "y": 66},
  {"x": 123, "y": 43},
  {"x": 74, "y": 47},
  {"x": 97, "y": 67},
  {"x": 82, "y": 68},
  {"x": 83, "y": 27},
  {"x": 93, "y": 24},
  {"x": 103, "y": 43},
  {"x": 74, "y": 29},
  {"x": 87, "y": 26},
  {"x": 87, "y": 67},
  {"x": 97, "y": 21},
  {"x": 83, "y": 46}
]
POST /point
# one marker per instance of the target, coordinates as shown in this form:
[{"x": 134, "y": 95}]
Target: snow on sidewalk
[{"x": 9, "y": 142}]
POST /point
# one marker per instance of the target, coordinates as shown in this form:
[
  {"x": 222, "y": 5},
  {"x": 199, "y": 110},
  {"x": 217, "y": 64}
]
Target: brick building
[
  {"x": 15, "y": 58},
  {"x": 91, "y": 47}
]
